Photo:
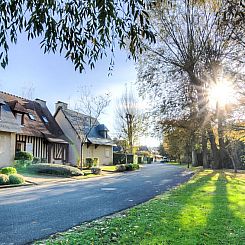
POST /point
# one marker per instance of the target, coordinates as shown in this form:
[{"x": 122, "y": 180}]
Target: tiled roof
[
  {"x": 36, "y": 127},
  {"x": 82, "y": 125}
]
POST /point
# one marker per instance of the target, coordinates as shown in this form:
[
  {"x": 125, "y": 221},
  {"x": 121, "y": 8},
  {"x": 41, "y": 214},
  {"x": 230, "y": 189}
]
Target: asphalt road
[{"x": 32, "y": 213}]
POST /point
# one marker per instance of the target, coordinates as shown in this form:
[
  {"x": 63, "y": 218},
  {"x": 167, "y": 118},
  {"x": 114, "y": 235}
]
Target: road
[{"x": 32, "y": 213}]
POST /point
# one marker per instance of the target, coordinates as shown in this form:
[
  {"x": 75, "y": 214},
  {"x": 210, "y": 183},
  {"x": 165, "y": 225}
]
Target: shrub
[
  {"x": 15, "y": 179},
  {"x": 23, "y": 155},
  {"x": 96, "y": 170},
  {"x": 8, "y": 170},
  {"x": 55, "y": 169},
  {"x": 120, "y": 168},
  {"x": 96, "y": 161},
  {"x": 135, "y": 166},
  {"x": 4, "y": 179},
  {"x": 36, "y": 160},
  {"x": 132, "y": 166},
  {"x": 88, "y": 162},
  {"x": 129, "y": 167},
  {"x": 22, "y": 163}
]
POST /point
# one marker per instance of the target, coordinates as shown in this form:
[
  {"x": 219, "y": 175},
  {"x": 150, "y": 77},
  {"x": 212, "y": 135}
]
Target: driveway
[{"x": 31, "y": 213}]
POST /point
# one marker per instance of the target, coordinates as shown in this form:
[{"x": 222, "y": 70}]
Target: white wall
[
  {"x": 75, "y": 146},
  {"x": 7, "y": 148},
  {"x": 103, "y": 152}
]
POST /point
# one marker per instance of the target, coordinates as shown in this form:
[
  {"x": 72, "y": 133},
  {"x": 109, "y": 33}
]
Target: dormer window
[
  {"x": 45, "y": 119},
  {"x": 20, "y": 118},
  {"x": 31, "y": 116}
]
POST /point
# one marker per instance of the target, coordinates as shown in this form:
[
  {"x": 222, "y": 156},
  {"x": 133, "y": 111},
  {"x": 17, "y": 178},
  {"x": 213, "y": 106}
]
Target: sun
[{"x": 222, "y": 94}]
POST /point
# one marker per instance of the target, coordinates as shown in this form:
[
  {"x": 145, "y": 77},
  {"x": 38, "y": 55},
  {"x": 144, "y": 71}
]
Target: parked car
[{"x": 165, "y": 159}]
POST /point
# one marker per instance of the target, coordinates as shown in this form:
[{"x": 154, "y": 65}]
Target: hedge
[
  {"x": 15, "y": 179},
  {"x": 8, "y": 170},
  {"x": 127, "y": 167},
  {"x": 55, "y": 169},
  {"x": 4, "y": 179}
]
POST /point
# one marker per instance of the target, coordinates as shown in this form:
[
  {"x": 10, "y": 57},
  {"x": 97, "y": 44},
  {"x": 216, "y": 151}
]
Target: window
[
  {"x": 20, "y": 118},
  {"x": 107, "y": 153},
  {"x": 32, "y": 117},
  {"x": 45, "y": 119}
]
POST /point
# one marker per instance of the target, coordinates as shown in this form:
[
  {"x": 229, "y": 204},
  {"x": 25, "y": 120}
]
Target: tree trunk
[
  {"x": 214, "y": 149},
  {"x": 221, "y": 137},
  {"x": 193, "y": 152},
  {"x": 204, "y": 150}
]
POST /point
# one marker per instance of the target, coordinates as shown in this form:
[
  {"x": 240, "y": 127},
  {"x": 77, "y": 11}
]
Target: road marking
[{"x": 108, "y": 189}]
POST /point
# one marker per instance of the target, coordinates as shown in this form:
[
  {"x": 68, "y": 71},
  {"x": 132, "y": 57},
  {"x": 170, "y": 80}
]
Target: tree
[
  {"x": 128, "y": 119},
  {"x": 193, "y": 52},
  {"x": 88, "y": 110},
  {"x": 83, "y": 31}
]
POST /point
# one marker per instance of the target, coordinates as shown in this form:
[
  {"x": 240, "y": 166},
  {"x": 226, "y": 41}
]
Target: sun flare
[{"x": 221, "y": 93}]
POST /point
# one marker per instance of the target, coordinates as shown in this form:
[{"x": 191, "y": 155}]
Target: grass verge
[
  {"x": 109, "y": 168},
  {"x": 209, "y": 209}
]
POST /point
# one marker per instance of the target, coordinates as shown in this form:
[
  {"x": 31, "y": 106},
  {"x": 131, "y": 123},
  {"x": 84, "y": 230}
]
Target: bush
[
  {"x": 88, "y": 162},
  {"x": 8, "y": 170},
  {"x": 95, "y": 170},
  {"x": 55, "y": 169},
  {"x": 22, "y": 163},
  {"x": 36, "y": 160},
  {"x": 131, "y": 166},
  {"x": 96, "y": 161},
  {"x": 4, "y": 179},
  {"x": 120, "y": 168},
  {"x": 15, "y": 179},
  {"x": 23, "y": 155},
  {"x": 135, "y": 166}
]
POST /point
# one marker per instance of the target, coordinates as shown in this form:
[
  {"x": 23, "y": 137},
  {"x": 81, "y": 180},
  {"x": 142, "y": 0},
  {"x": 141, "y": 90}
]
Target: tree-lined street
[{"x": 31, "y": 213}]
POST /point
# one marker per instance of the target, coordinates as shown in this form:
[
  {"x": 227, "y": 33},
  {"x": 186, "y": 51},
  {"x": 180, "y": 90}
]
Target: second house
[{"x": 89, "y": 138}]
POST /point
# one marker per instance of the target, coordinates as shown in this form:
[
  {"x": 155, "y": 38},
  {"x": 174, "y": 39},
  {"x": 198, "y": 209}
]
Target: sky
[{"x": 51, "y": 78}]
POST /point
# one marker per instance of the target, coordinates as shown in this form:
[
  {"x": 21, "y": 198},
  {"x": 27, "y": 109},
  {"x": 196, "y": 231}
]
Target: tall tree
[
  {"x": 192, "y": 52},
  {"x": 88, "y": 111},
  {"x": 128, "y": 119}
]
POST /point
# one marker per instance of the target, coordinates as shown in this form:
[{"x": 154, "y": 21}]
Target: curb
[{"x": 16, "y": 185}]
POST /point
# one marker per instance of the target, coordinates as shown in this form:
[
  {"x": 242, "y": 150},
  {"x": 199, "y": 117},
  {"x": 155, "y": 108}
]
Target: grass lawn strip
[
  {"x": 209, "y": 209},
  {"x": 109, "y": 168}
]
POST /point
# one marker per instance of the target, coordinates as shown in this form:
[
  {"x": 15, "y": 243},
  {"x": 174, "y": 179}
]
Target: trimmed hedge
[
  {"x": 23, "y": 155},
  {"x": 15, "y": 179},
  {"x": 55, "y": 169},
  {"x": 127, "y": 167},
  {"x": 8, "y": 170},
  {"x": 4, "y": 179},
  {"x": 131, "y": 167},
  {"x": 96, "y": 170},
  {"x": 120, "y": 168}
]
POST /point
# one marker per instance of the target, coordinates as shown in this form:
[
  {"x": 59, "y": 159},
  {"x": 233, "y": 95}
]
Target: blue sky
[{"x": 53, "y": 78}]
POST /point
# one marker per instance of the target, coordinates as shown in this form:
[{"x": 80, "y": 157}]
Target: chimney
[
  {"x": 61, "y": 104},
  {"x": 42, "y": 103}
]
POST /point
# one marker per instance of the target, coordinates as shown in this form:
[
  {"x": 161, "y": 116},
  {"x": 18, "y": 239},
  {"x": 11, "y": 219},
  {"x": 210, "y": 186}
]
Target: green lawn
[
  {"x": 109, "y": 168},
  {"x": 209, "y": 209}
]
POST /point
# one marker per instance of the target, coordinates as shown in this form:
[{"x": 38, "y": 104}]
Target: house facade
[
  {"x": 8, "y": 130},
  {"x": 35, "y": 130},
  {"x": 89, "y": 138}
]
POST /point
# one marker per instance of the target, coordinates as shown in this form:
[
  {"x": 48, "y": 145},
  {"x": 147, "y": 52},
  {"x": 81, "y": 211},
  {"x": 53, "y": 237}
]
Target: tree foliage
[
  {"x": 83, "y": 31},
  {"x": 194, "y": 51}
]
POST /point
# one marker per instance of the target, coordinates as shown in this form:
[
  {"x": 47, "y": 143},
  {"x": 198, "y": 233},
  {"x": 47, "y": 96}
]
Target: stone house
[{"x": 89, "y": 138}]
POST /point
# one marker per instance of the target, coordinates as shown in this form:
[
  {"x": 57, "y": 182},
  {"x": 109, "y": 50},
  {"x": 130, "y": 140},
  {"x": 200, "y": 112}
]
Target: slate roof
[
  {"x": 8, "y": 122},
  {"x": 37, "y": 127},
  {"x": 81, "y": 124}
]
